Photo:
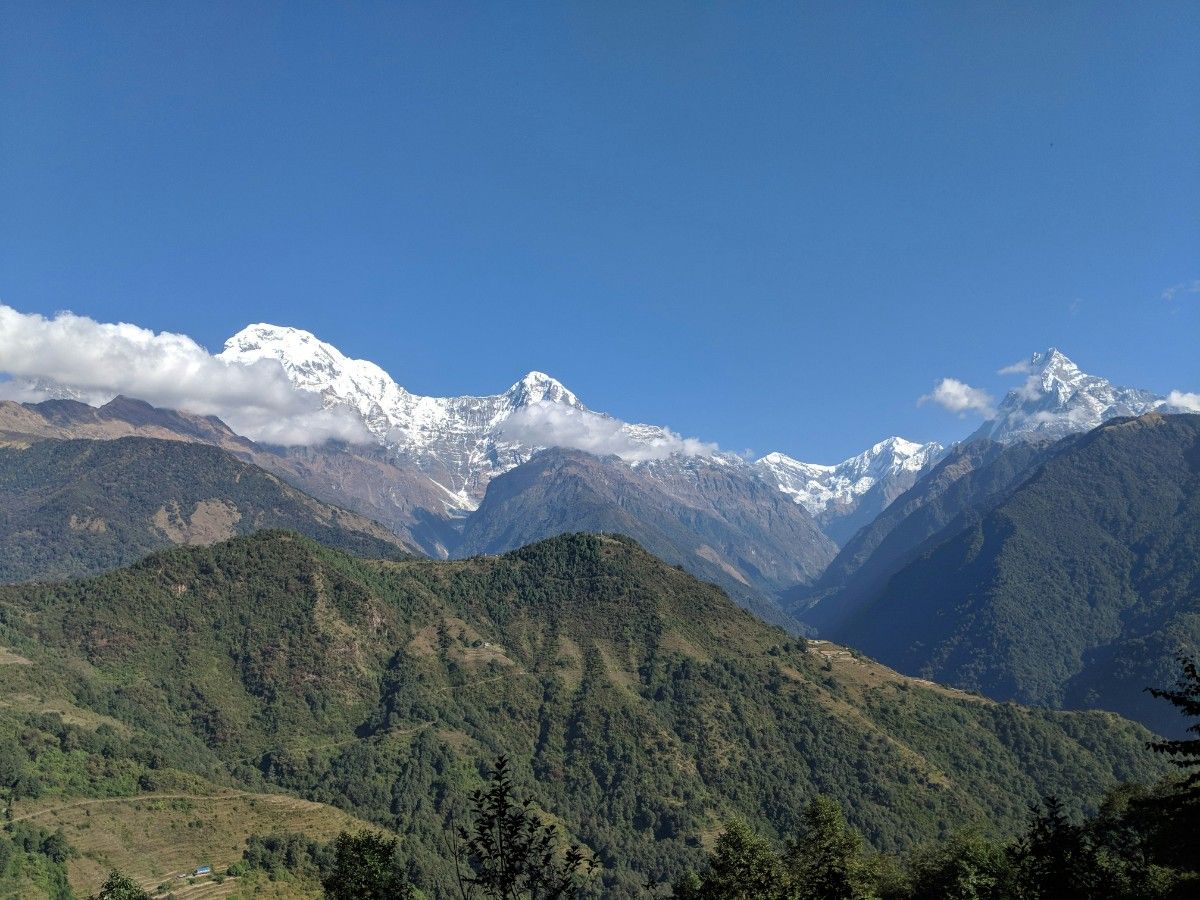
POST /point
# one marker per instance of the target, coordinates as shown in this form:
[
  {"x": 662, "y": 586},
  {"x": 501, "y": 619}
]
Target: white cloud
[
  {"x": 555, "y": 425},
  {"x": 1184, "y": 287},
  {"x": 99, "y": 360},
  {"x": 1020, "y": 367},
  {"x": 960, "y": 398},
  {"x": 1184, "y": 400}
]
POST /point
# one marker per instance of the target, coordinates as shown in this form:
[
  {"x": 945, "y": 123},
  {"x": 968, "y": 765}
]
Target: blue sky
[{"x": 772, "y": 226}]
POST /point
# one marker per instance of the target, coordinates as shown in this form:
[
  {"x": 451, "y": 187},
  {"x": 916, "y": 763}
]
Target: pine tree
[
  {"x": 1055, "y": 859},
  {"x": 365, "y": 868},
  {"x": 1186, "y": 696},
  {"x": 827, "y": 861},
  {"x": 511, "y": 852}
]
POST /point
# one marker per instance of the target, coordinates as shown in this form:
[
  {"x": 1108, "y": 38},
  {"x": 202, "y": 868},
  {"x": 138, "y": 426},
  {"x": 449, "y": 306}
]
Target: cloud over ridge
[
  {"x": 959, "y": 397},
  {"x": 546, "y": 424},
  {"x": 98, "y": 361}
]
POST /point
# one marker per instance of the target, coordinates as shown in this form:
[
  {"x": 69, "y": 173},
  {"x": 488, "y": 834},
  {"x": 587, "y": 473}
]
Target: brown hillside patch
[
  {"x": 464, "y": 644},
  {"x": 706, "y": 552},
  {"x": 94, "y": 524},
  {"x": 71, "y": 714},
  {"x": 862, "y": 673},
  {"x": 211, "y": 521},
  {"x": 8, "y": 658}
]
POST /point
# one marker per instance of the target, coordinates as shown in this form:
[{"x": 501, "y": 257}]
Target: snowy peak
[
  {"x": 538, "y": 387},
  {"x": 310, "y": 363},
  {"x": 460, "y": 443},
  {"x": 822, "y": 489},
  {"x": 1058, "y": 398}
]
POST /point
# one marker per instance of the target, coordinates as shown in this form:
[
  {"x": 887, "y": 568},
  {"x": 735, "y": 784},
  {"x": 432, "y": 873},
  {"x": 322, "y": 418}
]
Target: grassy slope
[{"x": 645, "y": 705}]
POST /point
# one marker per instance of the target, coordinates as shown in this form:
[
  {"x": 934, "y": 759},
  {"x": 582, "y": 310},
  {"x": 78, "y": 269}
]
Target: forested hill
[
  {"x": 646, "y": 705},
  {"x": 75, "y": 507},
  {"x": 1078, "y": 588}
]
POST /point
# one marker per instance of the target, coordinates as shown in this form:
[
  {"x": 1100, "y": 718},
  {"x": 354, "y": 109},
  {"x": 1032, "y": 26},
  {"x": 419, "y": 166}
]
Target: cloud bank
[
  {"x": 95, "y": 361},
  {"x": 554, "y": 425},
  {"x": 959, "y": 397},
  {"x": 1184, "y": 400}
]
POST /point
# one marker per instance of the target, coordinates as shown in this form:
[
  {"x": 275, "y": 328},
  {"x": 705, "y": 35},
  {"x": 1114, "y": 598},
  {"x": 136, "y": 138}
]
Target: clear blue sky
[{"x": 773, "y": 226}]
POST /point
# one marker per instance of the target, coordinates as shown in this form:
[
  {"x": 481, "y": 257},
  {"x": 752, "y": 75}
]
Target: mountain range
[
  {"x": 425, "y": 473},
  {"x": 461, "y": 443}
]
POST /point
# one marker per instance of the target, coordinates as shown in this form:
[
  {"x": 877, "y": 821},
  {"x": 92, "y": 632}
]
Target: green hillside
[
  {"x": 1078, "y": 589},
  {"x": 642, "y": 706},
  {"x": 70, "y": 508}
]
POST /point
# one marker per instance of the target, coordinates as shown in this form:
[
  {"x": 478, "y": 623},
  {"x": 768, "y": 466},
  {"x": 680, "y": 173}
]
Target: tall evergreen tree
[
  {"x": 1184, "y": 752},
  {"x": 826, "y": 862},
  {"x": 1055, "y": 860},
  {"x": 511, "y": 853},
  {"x": 365, "y": 868}
]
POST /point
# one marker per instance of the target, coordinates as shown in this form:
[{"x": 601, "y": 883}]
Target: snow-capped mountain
[
  {"x": 817, "y": 487},
  {"x": 1058, "y": 399},
  {"x": 844, "y": 496},
  {"x": 461, "y": 443}
]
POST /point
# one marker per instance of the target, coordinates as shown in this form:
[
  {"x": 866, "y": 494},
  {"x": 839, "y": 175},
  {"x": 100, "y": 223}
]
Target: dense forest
[
  {"x": 1143, "y": 844},
  {"x": 640, "y": 706}
]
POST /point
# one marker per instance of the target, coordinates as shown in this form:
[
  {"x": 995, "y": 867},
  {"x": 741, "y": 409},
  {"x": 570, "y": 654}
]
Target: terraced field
[{"x": 160, "y": 839}]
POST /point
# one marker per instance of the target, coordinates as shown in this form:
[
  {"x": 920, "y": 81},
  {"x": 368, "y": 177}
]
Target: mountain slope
[
  {"x": 645, "y": 704},
  {"x": 358, "y": 478},
  {"x": 81, "y": 506},
  {"x": 964, "y": 485},
  {"x": 719, "y": 522},
  {"x": 1078, "y": 589},
  {"x": 778, "y": 545}
]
